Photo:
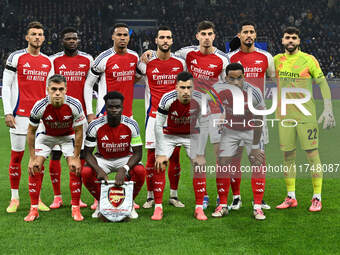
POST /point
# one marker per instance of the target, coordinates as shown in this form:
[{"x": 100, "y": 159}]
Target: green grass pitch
[{"x": 294, "y": 231}]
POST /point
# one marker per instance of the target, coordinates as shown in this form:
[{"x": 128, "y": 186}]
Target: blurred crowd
[{"x": 317, "y": 20}]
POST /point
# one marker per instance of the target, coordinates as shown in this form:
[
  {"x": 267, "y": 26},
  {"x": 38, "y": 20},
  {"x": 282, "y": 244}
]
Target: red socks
[
  {"x": 137, "y": 174},
  {"x": 55, "y": 171},
  {"x": 34, "y": 187},
  {"x": 199, "y": 183},
  {"x": 236, "y": 177},
  {"x": 89, "y": 178},
  {"x": 150, "y": 165},
  {"x": 75, "y": 187},
  {"x": 15, "y": 168},
  {"x": 174, "y": 169}
]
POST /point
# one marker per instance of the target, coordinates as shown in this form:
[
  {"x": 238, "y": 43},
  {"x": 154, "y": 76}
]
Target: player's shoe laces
[
  {"x": 76, "y": 214},
  {"x": 157, "y": 214},
  {"x": 205, "y": 202},
  {"x": 94, "y": 205},
  {"x": 289, "y": 202},
  {"x": 134, "y": 214},
  {"x": 42, "y": 207},
  {"x": 82, "y": 204},
  {"x": 57, "y": 202},
  {"x": 220, "y": 212},
  {"x": 264, "y": 205},
  {"x": 149, "y": 203},
  {"x": 316, "y": 205},
  {"x": 32, "y": 215},
  {"x": 259, "y": 215},
  {"x": 13, "y": 206},
  {"x": 136, "y": 206},
  {"x": 95, "y": 214},
  {"x": 199, "y": 214},
  {"x": 237, "y": 203},
  {"x": 175, "y": 202}
]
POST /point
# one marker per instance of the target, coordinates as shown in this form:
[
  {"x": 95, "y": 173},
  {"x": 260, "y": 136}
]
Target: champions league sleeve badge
[{"x": 116, "y": 201}]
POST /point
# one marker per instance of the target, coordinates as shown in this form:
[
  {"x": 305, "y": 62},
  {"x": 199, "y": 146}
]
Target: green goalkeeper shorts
[{"x": 308, "y": 134}]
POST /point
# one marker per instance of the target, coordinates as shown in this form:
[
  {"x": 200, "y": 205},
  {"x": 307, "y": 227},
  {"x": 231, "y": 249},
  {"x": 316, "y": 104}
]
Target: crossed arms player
[
  {"x": 177, "y": 115},
  {"x": 305, "y": 69},
  {"x": 115, "y": 136},
  {"x": 63, "y": 118}
]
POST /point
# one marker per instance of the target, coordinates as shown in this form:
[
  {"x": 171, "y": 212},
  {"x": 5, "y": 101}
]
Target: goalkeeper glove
[{"x": 327, "y": 116}]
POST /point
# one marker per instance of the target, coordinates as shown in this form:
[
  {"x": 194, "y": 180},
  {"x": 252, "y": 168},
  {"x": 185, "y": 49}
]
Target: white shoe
[
  {"x": 175, "y": 202},
  {"x": 220, "y": 212},
  {"x": 264, "y": 205},
  {"x": 259, "y": 215},
  {"x": 95, "y": 214},
  {"x": 237, "y": 203},
  {"x": 149, "y": 203},
  {"x": 134, "y": 214}
]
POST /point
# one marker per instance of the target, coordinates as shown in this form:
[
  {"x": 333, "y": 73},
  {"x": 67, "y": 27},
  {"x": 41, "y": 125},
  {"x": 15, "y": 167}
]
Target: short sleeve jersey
[{"x": 113, "y": 142}]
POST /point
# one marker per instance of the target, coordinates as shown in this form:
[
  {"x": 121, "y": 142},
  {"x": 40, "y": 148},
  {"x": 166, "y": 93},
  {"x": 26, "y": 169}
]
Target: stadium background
[{"x": 296, "y": 231}]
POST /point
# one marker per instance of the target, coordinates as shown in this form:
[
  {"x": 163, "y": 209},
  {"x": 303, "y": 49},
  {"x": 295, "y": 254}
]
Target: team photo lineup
[{"x": 201, "y": 103}]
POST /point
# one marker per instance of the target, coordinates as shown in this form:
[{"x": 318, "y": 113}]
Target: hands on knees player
[{"x": 161, "y": 163}]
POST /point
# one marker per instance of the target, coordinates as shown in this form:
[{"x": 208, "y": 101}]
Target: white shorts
[
  {"x": 21, "y": 125},
  {"x": 112, "y": 165},
  {"x": 168, "y": 144},
  {"x": 45, "y": 143},
  {"x": 231, "y": 140},
  {"x": 18, "y": 142},
  {"x": 85, "y": 126},
  {"x": 214, "y": 134},
  {"x": 150, "y": 138}
]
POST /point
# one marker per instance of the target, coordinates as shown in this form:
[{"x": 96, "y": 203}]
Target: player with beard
[
  {"x": 74, "y": 65},
  {"x": 207, "y": 65},
  {"x": 119, "y": 149},
  {"x": 160, "y": 77},
  {"x": 297, "y": 69},
  {"x": 257, "y": 65},
  {"x": 24, "y": 82}
]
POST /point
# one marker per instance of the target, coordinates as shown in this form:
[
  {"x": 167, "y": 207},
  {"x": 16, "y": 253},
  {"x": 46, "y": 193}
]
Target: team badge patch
[{"x": 116, "y": 196}]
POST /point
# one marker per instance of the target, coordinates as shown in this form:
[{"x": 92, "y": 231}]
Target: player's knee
[
  {"x": 56, "y": 155},
  {"x": 139, "y": 172},
  {"x": 86, "y": 173}
]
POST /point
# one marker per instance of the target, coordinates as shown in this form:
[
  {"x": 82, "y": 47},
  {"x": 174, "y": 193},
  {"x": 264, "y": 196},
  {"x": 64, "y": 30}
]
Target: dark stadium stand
[{"x": 318, "y": 21}]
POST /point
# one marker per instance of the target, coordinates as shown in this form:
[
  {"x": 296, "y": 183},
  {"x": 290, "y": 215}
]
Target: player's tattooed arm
[{"x": 92, "y": 162}]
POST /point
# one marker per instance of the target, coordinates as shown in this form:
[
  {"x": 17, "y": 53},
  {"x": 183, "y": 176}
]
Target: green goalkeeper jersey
[{"x": 299, "y": 71}]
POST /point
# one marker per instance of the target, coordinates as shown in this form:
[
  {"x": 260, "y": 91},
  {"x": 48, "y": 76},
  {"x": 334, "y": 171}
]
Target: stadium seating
[{"x": 93, "y": 18}]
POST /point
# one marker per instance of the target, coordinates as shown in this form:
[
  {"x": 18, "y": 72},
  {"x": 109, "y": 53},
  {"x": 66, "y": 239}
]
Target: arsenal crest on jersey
[{"x": 116, "y": 201}]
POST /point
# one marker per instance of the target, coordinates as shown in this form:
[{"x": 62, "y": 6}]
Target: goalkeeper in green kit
[{"x": 296, "y": 69}]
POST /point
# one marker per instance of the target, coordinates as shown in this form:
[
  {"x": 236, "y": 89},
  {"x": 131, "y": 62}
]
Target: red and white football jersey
[
  {"x": 58, "y": 121},
  {"x": 24, "y": 81},
  {"x": 256, "y": 64},
  {"x": 160, "y": 78},
  {"x": 181, "y": 118},
  {"x": 113, "y": 142},
  {"x": 206, "y": 69},
  {"x": 239, "y": 122},
  {"x": 75, "y": 70},
  {"x": 117, "y": 73}
]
